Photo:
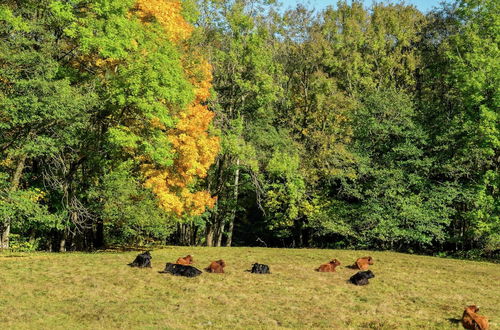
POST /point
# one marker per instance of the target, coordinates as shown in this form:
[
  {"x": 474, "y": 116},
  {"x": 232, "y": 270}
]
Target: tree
[
  {"x": 245, "y": 77},
  {"x": 91, "y": 86},
  {"x": 42, "y": 110},
  {"x": 460, "y": 98},
  {"x": 193, "y": 147}
]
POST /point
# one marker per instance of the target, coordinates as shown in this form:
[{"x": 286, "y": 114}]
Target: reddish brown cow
[
  {"x": 187, "y": 260},
  {"x": 329, "y": 267},
  {"x": 216, "y": 266},
  {"x": 363, "y": 263},
  {"x": 474, "y": 321}
]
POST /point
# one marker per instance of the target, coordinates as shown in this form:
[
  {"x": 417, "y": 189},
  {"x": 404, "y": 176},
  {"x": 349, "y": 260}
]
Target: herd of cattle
[{"x": 182, "y": 267}]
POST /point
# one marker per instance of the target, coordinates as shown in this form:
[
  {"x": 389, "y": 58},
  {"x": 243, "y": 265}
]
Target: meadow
[{"x": 99, "y": 291}]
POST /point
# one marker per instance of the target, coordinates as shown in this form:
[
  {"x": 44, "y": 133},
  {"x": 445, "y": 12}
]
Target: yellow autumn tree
[{"x": 194, "y": 148}]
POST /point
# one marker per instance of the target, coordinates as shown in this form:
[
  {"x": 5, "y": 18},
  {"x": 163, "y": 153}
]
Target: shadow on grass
[
  {"x": 131, "y": 248},
  {"x": 454, "y": 320},
  {"x": 14, "y": 256}
]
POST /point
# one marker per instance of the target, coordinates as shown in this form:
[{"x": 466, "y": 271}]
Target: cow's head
[{"x": 472, "y": 308}]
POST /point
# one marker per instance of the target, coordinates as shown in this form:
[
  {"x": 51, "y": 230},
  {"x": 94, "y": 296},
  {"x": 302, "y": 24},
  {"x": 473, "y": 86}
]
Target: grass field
[{"x": 98, "y": 291}]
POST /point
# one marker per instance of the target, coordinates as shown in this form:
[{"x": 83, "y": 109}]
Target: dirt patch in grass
[{"x": 99, "y": 290}]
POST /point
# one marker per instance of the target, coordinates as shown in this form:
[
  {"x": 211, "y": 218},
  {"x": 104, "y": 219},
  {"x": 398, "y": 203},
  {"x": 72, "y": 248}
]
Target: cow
[
  {"x": 472, "y": 320},
  {"x": 143, "y": 260},
  {"x": 216, "y": 266},
  {"x": 363, "y": 263},
  {"x": 328, "y": 267},
  {"x": 260, "y": 269},
  {"x": 181, "y": 270},
  {"x": 361, "y": 278},
  {"x": 187, "y": 260}
]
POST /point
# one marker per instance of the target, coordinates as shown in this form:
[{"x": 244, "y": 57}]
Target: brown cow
[
  {"x": 363, "y": 263},
  {"x": 329, "y": 267},
  {"x": 471, "y": 320},
  {"x": 187, "y": 260},
  {"x": 216, "y": 266}
]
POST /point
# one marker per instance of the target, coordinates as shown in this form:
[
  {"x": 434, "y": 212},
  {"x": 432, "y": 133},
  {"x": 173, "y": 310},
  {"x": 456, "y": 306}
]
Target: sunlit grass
[{"x": 92, "y": 291}]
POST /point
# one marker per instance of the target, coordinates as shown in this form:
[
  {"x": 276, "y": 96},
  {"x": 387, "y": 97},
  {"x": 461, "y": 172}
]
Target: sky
[{"x": 422, "y": 5}]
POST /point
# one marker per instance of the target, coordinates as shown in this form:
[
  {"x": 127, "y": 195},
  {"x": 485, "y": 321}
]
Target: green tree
[
  {"x": 461, "y": 101},
  {"x": 393, "y": 203},
  {"x": 87, "y": 87},
  {"x": 246, "y": 86},
  {"x": 42, "y": 110}
]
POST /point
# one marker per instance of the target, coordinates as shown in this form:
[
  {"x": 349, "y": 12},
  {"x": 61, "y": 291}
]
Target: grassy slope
[{"x": 77, "y": 290}]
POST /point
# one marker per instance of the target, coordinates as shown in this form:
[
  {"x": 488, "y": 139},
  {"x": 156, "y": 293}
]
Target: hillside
[{"x": 77, "y": 290}]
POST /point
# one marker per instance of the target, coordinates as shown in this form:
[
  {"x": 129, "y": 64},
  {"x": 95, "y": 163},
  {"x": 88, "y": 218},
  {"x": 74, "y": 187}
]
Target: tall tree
[
  {"x": 461, "y": 98},
  {"x": 95, "y": 91},
  {"x": 245, "y": 78},
  {"x": 42, "y": 108}
]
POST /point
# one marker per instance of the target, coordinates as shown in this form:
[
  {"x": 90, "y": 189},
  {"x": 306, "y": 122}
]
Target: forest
[{"x": 240, "y": 123}]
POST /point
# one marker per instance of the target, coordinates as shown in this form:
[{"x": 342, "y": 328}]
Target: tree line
[{"x": 235, "y": 122}]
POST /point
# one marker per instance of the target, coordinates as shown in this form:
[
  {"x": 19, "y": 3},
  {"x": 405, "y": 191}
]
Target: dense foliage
[
  {"x": 233, "y": 122},
  {"x": 104, "y": 127}
]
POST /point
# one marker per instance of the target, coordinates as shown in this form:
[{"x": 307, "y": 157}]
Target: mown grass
[{"x": 98, "y": 291}]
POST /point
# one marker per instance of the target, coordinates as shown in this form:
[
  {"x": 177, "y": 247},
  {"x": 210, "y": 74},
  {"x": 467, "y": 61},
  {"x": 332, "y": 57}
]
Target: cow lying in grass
[
  {"x": 329, "y": 267},
  {"x": 181, "y": 270},
  {"x": 216, "y": 266},
  {"x": 142, "y": 260},
  {"x": 361, "y": 278},
  {"x": 187, "y": 260},
  {"x": 472, "y": 320},
  {"x": 362, "y": 263},
  {"x": 260, "y": 269}
]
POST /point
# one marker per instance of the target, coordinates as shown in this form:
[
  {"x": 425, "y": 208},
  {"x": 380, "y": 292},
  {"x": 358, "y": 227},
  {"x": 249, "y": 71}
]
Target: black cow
[
  {"x": 142, "y": 260},
  {"x": 361, "y": 278},
  {"x": 181, "y": 270},
  {"x": 260, "y": 269}
]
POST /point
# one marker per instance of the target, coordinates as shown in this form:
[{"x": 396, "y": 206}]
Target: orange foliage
[
  {"x": 194, "y": 148},
  {"x": 168, "y": 14},
  {"x": 195, "y": 152}
]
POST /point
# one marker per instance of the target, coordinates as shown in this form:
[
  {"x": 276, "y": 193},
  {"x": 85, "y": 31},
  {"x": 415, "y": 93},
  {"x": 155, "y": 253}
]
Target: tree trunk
[
  {"x": 4, "y": 243},
  {"x": 182, "y": 234},
  {"x": 210, "y": 235},
  {"x": 220, "y": 232},
  {"x": 212, "y": 228},
  {"x": 5, "y": 227},
  {"x": 194, "y": 234},
  {"x": 17, "y": 174},
  {"x": 185, "y": 233},
  {"x": 213, "y": 225},
  {"x": 62, "y": 244},
  {"x": 62, "y": 241},
  {"x": 233, "y": 215},
  {"x": 298, "y": 235}
]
